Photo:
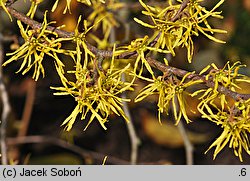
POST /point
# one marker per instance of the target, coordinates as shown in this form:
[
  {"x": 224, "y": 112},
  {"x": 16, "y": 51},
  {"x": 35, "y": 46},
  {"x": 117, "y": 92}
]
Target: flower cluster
[
  {"x": 236, "y": 128},
  {"x": 97, "y": 95},
  {"x": 227, "y": 77},
  {"x": 234, "y": 119},
  {"x": 140, "y": 46},
  {"x": 102, "y": 15},
  {"x": 95, "y": 91},
  {"x": 175, "y": 29},
  {"x": 38, "y": 43},
  {"x": 170, "y": 90}
]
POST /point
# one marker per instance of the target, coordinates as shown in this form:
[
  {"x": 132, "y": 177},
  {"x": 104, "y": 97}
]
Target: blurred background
[{"x": 37, "y": 114}]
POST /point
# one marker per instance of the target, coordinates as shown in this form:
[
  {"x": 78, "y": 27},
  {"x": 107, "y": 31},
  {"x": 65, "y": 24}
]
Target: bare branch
[
  {"x": 188, "y": 145},
  {"x": 5, "y": 111},
  {"x": 134, "y": 139},
  {"x": 183, "y": 6},
  {"x": 28, "y": 107},
  {"x": 10, "y": 2},
  {"x": 63, "y": 144}
]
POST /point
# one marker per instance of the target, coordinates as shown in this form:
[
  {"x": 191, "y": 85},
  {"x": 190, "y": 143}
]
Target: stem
[
  {"x": 63, "y": 144},
  {"x": 10, "y": 2},
  {"x": 187, "y": 144},
  {"x": 183, "y": 6},
  {"x": 5, "y": 110},
  {"x": 28, "y": 107},
  {"x": 134, "y": 139}
]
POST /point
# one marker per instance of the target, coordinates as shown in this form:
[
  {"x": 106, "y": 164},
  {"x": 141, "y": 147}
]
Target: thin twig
[
  {"x": 28, "y": 107},
  {"x": 10, "y": 2},
  {"x": 63, "y": 144},
  {"x": 134, "y": 139},
  {"x": 5, "y": 110},
  {"x": 187, "y": 144},
  {"x": 36, "y": 25},
  {"x": 182, "y": 7}
]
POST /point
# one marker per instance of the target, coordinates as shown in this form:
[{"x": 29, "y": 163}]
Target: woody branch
[{"x": 154, "y": 63}]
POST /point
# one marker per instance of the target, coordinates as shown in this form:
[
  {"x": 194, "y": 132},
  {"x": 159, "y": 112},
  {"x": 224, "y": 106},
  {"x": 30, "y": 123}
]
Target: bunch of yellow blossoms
[
  {"x": 234, "y": 120},
  {"x": 98, "y": 89},
  {"x": 98, "y": 95},
  {"x": 176, "y": 31},
  {"x": 38, "y": 43},
  {"x": 169, "y": 90}
]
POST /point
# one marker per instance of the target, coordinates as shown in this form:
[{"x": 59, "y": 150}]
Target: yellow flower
[
  {"x": 38, "y": 43},
  {"x": 178, "y": 33},
  {"x": 97, "y": 96},
  {"x": 227, "y": 77},
  {"x": 236, "y": 128},
  {"x": 235, "y": 120},
  {"x": 170, "y": 92},
  {"x": 140, "y": 46},
  {"x": 80, "y": 39}
]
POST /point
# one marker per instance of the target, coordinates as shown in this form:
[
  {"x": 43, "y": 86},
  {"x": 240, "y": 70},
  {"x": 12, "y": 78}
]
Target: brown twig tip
[
  {"x": 35, "y": 25},
  {"x": 40, "y": 139},
  {"x": 10, "y": 2},
  {"x": 182, "y": 7}
]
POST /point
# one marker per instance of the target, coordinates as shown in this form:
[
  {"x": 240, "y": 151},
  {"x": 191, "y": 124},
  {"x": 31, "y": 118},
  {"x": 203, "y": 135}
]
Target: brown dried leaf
[{"x": 167, "y": 134}]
